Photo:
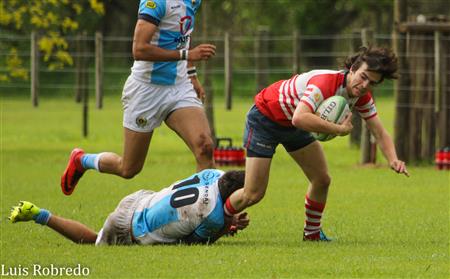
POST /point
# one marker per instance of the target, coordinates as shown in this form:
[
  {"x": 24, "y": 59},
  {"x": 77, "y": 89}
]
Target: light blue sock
[
  {"x": 90, "y": 161},
  {"x": 43, "y": 217}
]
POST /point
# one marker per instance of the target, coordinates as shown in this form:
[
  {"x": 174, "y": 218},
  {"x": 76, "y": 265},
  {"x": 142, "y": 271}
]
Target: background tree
[
  {"x": 52, "y": 20},
  {"x": 323, "y": 17}
]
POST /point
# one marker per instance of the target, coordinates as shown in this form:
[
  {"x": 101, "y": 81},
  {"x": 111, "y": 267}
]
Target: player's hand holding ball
[
  {"x": 336, "y": 110},
  {"x": 346, "y": 125}
]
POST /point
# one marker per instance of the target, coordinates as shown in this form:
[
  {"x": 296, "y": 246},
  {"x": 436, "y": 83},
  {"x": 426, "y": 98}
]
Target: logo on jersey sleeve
[
  {"x": 312, "y": 96},
  {"x": 150, "y": 4},
  {"x": 316, "y": 96}
]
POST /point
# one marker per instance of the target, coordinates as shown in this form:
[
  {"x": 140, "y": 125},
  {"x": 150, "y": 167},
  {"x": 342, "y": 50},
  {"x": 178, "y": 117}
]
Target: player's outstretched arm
[{"x": 386, "y": 145}]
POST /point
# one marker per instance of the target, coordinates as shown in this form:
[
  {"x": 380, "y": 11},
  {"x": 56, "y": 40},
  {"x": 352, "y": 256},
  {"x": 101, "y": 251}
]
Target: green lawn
[{"x": 385, "y": 225}]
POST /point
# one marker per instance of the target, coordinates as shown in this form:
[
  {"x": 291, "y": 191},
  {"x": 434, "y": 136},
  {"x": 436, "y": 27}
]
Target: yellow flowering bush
[{"x": 52, "y": 20}]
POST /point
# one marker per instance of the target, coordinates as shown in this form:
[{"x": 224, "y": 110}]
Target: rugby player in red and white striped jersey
[
  {"x": 279, "y": 100},
  {"x": 284, "y": 113}
]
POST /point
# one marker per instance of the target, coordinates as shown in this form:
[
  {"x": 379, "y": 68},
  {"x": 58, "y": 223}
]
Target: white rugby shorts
[
  {"x": 117, "y": 227},
  {"x": 146, "y": 106}
]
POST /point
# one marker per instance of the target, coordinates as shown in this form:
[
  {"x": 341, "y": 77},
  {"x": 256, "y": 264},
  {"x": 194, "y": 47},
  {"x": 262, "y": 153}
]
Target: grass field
[{"x": 385, "y": 225}]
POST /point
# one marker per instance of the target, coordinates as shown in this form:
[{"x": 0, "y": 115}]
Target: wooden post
[
  {"x": 437, "y": 70},
  {"x": 432, "y": 144},
  {"x": 78, "y": 69},
  {"x": 228, "y": 71},
  {"x": 85, "y": 84},
  {"x": 355, "y": 134},
  {"x": 428, "y": 114},
  {"x": 262, "y": 62},
  {"x": 418, "y": 61},
  {"x": 368, "y": 145},
  {"x": 444, "y": 113},
  {"x": 295, "y": 52},
  {"x": 402, "y": 98},
  {"x": 206, "y": 71},
  {"x": 34, "y": 70},
  {"x": 99, "y": 69}
]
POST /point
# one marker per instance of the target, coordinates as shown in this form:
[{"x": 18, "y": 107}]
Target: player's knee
[
  {"x": 129, "y": 173},
  {"x": 323, "y": 181},
  {"x": 203, "y": 147}
]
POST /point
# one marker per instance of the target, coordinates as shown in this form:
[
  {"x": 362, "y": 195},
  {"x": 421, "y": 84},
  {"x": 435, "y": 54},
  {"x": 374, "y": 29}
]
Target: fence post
[
  {"x": 34, "y": 70},
  {"x": 99, "y": 69},
  {"x": 78, "y": 69},
  {"x": 355, "y": 134},
  {"x": 368, "y": 143},
  {"x": 437, "y": 69},
  {"x": 262, "y": 63},
  {"x": 439, "y": 84},
  {"x": 228, "y": 71},
  {"x": 444, "y": 109},
  {"x": 84, "y": 84},
  {"x": 402, "y": 97},
  {"x": 296, "y": 52},
  {"x": 429, "y": 116}
]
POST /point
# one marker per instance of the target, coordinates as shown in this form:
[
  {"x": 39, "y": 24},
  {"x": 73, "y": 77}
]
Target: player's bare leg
[
  {"x": 134, "y": 153},
  {"x": 26, "y": 211},
  {"x": 73, "y": 230},
  {"x": 311, "y": 159},
  {"x": 192, "y": 126},
  {"x": 135, "y": 150},
  {"x": 256, "y": 181}
]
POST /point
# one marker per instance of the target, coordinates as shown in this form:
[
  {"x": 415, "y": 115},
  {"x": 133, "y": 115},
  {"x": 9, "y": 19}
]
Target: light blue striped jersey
[
  {"x": 175, "y": 21},
  {"x": 190, "y": 205}
]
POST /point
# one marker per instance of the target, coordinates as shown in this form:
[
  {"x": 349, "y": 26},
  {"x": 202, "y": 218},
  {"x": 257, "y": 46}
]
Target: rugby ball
[{"x": 333, "y": 109}]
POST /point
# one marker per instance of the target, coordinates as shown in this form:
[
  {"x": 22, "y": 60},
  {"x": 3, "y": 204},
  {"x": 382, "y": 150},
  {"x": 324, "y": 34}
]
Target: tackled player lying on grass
[{"x": 188, "y": 211}]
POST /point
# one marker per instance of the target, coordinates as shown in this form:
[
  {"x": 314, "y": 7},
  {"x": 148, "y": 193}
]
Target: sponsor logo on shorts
[
  {"x": 151, "y": 4},
  {"x": 141, "y": 121},
  {"x": 264, "y": 145}
]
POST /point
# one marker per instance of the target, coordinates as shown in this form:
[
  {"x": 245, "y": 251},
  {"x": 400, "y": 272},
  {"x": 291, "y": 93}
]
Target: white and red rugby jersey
[{"x": 279, "y": 100}]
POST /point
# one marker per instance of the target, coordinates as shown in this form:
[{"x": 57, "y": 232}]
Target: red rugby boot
[{"x": 74, "y": 171}]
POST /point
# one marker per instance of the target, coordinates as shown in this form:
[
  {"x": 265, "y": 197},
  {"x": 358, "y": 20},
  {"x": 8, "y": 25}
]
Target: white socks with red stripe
[{"x": 313, "y": 211}]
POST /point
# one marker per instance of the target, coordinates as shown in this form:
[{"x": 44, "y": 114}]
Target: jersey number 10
[{"x": 186, "y": 196}]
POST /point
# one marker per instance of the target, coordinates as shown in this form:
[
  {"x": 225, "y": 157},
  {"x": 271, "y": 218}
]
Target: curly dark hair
[
  {"x": 230, "y": 182},
  {"x": 379, "y": 59}
]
